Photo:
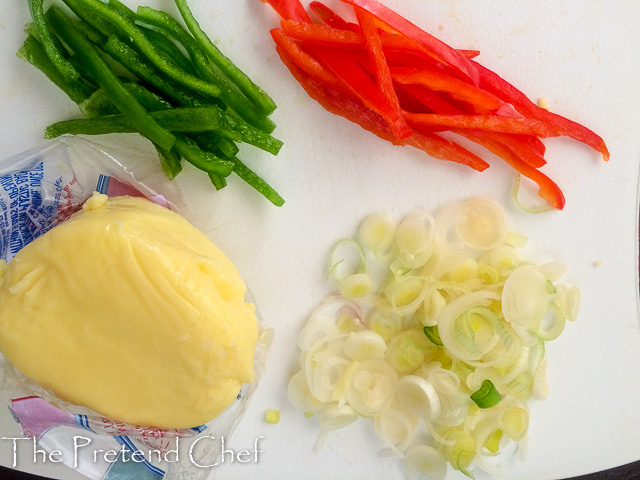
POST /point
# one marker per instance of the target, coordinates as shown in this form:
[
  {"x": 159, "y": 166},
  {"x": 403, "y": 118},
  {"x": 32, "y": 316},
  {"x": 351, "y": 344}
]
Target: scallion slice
[{"x": 487, "y": 395}]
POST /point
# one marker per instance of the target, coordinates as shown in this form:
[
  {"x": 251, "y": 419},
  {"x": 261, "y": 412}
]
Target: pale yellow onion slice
[
  {"x": 444, "y": 381},
  {"x": 406, "y": 294},
  {"x": 356, "y": 285},
  {"x": 552, "y": 324},
  {"x": 423, "y": 462},
  {"x": 418, "y": 396},
  {"x": 317, "y": 330},
  {"x": 386, "y": 324},
  {"x": 364, "y": 345},
  {"x": 514, "y": 422},
  {"x": 414, "y": 235},
  {"x": 525, "y": 297},
  {"x": 334, "y": 416},
  {"x": 323, "y": 379},
  {"x": 449, "y": 315},
  {"x": 553, "y": 270},
  {"x": 396, "y": 426},
  {"x": 408, "y": 350},
  {"x": 300, "y": 396},
  {"x": 568, "y": 300},
  {"x": 540, "y": 389},
  {"x": 347, "y": 257},
  {"x": 485, "y": 224},
  {"x": 377, "y": 232},
  {"x": 372, "y": 387}
]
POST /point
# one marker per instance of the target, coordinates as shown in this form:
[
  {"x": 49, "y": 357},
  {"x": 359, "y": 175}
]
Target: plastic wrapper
[{"x": 39, "y": 189}]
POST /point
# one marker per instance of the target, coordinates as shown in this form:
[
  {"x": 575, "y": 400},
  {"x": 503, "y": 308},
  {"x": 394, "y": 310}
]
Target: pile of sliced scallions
[{"x": 439, "y": 324}]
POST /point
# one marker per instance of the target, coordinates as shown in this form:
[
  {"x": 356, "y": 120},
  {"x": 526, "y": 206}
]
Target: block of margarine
[{"x": 129, "y": 310}]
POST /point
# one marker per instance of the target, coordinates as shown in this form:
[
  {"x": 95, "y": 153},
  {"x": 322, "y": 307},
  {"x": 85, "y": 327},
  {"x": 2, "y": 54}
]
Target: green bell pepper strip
[
  {"x": 170, "y": 162},
  {"x": 146, "y": 46},
  {"x": 131, "y": 60},
  {"x": 242, "y": 81},
  {"x": 205, "y": 161},
  {"x": 254, "y": 180},
  {"x": 192, "y": 119},
  {"x": 99, "y": 104},
  {"x": 169, "y": 49},
  {"x": 214, "y": 142},
  {"x": 166, "y": 26},
  {"x": 66, "y": 69},
  {"x": 218, "y": 182},
  {"x": 85, "y": 13},
  {"x": 107, "y": 79},
  {"x": 33, "y": 52}
]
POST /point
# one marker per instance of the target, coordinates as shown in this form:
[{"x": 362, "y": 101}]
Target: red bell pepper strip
[
  {"x": 437, "y": 49},
  {"x": 307, "y": 62},
  {"x": 354, "y": 111},
  {"x": 482, "y": 101},
  {"x": 289, "y": 10},
  {"x": 530, "y": 149},
  {"x": 323, "y": 34},
  {"x": 493, "y": 123},
  {"x": 392, "y": 43},
  {"x": 382, "y": 73},
  {"x": 331, "y": 18},
  {"x": 498, "y": 86},
  {"x": 361, "y": 85}
]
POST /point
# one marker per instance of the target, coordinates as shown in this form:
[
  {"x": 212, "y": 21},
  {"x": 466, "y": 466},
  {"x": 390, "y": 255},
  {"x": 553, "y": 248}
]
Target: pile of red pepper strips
[{"x": 404, "y": 85}]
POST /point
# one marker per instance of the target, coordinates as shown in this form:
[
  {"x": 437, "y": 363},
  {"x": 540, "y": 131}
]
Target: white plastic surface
[{"x": 580, "y": 54}]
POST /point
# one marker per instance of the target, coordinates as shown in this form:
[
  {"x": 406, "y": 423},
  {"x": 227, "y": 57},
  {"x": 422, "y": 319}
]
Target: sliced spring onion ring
[
  {"x": 535, "y": 207},
  {"x": 514, "y": 422},
  {"x": 356, "y": 285},
  {"x": 364, "y": 345},
  {"x": 396, "y": 426},
  {"x": 422, "y": 462},
  {"x": 487, "y": 396},
  {"x": 377, "y": 232},
  {"x": 372, "y": 387},
  {"x": 335, "y": 416},
  {"x": 346, "y": 257},
  {"x": 418, "y": 396},
  {"x": 525, "y": 297},
  {"x": 485, "y": 224}
]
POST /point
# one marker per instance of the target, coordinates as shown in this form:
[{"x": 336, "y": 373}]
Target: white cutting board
[{"x": 580, "y": 54}]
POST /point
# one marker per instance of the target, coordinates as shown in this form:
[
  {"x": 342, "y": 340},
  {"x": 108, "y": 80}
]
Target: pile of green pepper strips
[{"x": 175, "y": 88}]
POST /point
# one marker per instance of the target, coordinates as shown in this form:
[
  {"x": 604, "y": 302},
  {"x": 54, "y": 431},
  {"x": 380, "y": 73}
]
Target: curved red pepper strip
[
  {"x": 382, "y": 73},
  {"x": 354, "y": 111},
  {"x": 547, "y": 189},
  {"x": 436, "y": 48},
  {"x": 501, "y": 88},
  {"x": 289, "y": 10}
]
